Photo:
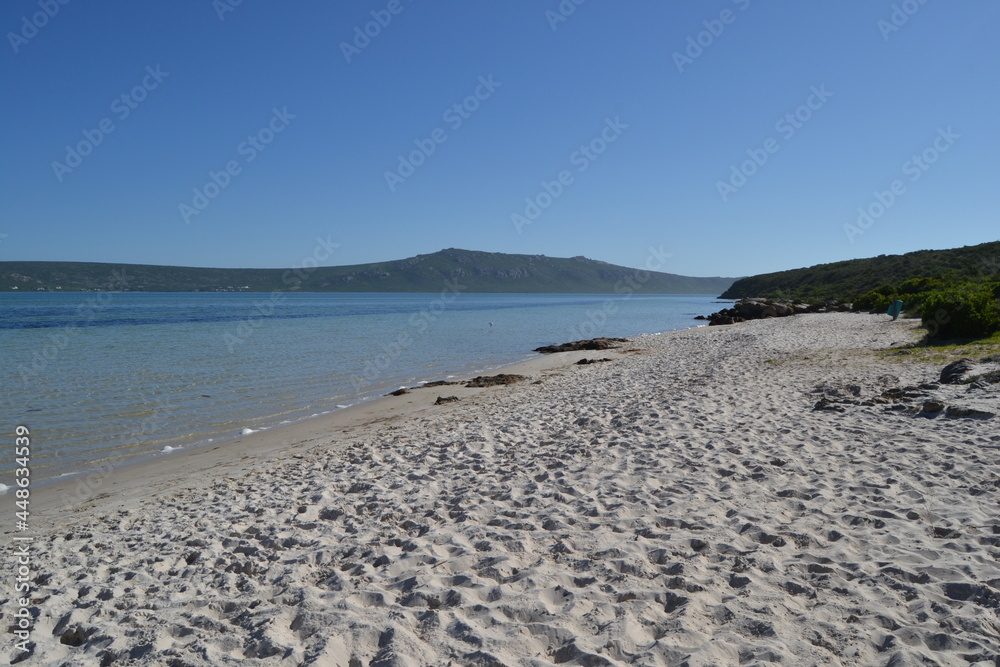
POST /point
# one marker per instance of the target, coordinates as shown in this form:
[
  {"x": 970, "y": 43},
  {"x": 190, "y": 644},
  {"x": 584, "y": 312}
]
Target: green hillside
[
  {"x": 850, "y": 279},
  {"x": 464, "y": 270}
]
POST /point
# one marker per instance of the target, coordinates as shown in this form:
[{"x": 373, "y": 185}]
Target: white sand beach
[{"x": 683, "y": 504}]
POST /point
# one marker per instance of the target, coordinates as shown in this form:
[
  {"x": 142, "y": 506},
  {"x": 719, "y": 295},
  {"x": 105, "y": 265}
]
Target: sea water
[{"x": 103, "y": 378}]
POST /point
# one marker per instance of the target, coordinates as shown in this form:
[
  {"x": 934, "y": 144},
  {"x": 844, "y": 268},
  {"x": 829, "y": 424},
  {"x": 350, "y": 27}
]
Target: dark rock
[
  {"x": 575, "y": 346},
  {"x": 398, "y": 392},
  {"x": 956, "y": 411},
  {"x": 750, "y": 309},
  {"x": 585, "y": 361},
  {"x": 933, "y": 407},
  {"x": 494, "y": 380},
  {"x": 953, "y": 372},
  {"x": 441, "y": 400},
  {"x": 754, "y": 309},
  {"x": 827, "y": 404},
  {"x": 436, "y": 383}
]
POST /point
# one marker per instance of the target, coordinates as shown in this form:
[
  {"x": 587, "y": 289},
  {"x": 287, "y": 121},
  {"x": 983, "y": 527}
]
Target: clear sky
[{"x": 739, "y": 136}]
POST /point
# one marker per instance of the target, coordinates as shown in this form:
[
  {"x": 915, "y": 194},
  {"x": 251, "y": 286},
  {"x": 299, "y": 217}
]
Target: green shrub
[
  {"x": 875, "y": 301},
  {"x": 920, "y": 285},
  {"x": 963, "y": 311}
]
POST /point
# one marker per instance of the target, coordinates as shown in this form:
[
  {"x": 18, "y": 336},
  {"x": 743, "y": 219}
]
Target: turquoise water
[{"x": 106, "y": 377}]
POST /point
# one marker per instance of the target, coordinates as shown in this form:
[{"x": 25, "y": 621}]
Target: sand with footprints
[{"x": 682, "y": 504}]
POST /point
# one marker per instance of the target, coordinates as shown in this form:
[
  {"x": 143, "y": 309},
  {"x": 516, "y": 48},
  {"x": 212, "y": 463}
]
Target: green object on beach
[{"x": 895, "y": 308}]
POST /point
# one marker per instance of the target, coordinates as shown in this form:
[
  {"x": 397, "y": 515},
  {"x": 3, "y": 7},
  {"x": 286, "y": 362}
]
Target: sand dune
[{"x": 681, "y": 505}]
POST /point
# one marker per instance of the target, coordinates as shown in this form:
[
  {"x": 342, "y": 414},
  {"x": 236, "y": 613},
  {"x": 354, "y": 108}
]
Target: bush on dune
[
  {"x": 874, "y": 301},
  {"x": 964, "y": 310}
]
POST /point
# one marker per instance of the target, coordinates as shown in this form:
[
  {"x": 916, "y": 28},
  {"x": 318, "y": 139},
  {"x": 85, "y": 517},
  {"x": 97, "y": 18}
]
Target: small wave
[
  {"x": 167, "y": 449},
  {"x": 3, "y": 489},
  {"x": 247, "y": 431}
]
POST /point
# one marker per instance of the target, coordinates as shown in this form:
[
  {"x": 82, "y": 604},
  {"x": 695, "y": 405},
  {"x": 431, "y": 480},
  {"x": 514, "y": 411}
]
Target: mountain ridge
[{"x": 451, "y": 268}]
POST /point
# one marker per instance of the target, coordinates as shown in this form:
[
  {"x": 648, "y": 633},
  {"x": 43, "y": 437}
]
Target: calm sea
[{"x": 108, "y": 377}]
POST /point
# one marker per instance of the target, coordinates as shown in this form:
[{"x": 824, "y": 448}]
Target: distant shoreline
[{"x": 459, "y": 271}]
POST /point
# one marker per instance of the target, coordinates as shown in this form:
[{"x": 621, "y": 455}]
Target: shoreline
[
  {"x": 90, "y": 489},
  {"x": 124, "y": 442},
  {"x": 130, "y": 460},
  {"x": 687, "y": 502}
]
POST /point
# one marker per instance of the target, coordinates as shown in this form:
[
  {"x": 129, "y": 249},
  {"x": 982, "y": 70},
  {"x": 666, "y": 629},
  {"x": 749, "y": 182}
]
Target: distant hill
[
  {"x": 852, "y": 278},
  {"x": 472, "y": 271}
]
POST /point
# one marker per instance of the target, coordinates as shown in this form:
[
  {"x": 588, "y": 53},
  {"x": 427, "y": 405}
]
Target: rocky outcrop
[
  {"x": 436, "y": 383},
  {"x": 494, "y": 380},
  {"x": 575, "y": 346},
  {"x": 759, "y": 309},
  {"x": 958, "y": 394},
  {"x": 954, "y": 372}
]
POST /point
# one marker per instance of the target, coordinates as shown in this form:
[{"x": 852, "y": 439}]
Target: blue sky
[{"x": 603, "y": 131}]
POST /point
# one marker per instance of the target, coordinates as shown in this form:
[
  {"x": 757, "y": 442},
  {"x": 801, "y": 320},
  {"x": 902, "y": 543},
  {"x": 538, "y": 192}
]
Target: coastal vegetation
[
  {"x": 955, "y": 292},
  {"x": 850, "y": 279}
]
